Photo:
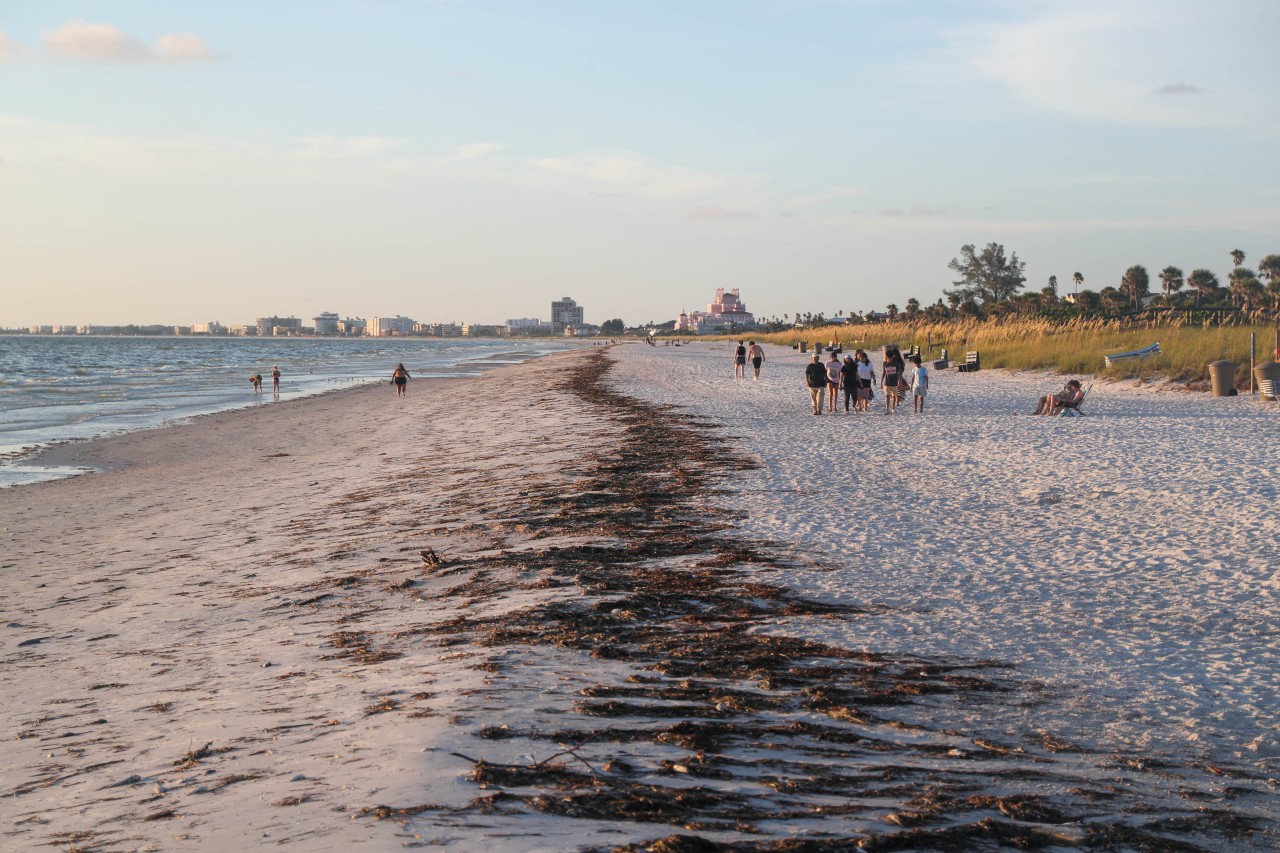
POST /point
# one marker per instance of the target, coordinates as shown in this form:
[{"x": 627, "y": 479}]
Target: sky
[{"x": 181, "y": 161}]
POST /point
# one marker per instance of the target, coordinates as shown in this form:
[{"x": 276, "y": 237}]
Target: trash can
[
  {"x": 1222, "y": 377},
  {"x": 1267, "y": 376},
  {"x": 804, "y": 346}
]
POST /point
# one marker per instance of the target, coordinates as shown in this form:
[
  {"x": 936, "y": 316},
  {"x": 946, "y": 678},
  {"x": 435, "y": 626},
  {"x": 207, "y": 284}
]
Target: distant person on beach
[
  {"x": 400, "y": 378},
  {"x": 815, "y": 377},
  {"x": 891, "y": 378},
  {"x": 275, "y": 380},
  {"x": 740, "y": 361},
  {"x": 755, "y": 352},
  {"x": 1052, "y": 404},
  {"x": 866, "y": 379},
  {"x": 849, "y": 382},
  {"x": 833, "y": 381},
  {"x": 255, "y": 382},
  {"x": 919, "y": 384}
]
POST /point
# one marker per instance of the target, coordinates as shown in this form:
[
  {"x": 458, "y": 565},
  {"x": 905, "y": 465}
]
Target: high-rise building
[
  {"x": 326, "y": 323},
  {"x": 565, "y": 312},
  {"x": 381, "y": 327},
  {"x": 268, "y": 326}
]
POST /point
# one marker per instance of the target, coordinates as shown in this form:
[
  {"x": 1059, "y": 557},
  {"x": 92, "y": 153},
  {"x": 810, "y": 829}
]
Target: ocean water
[{"x": 63, "y": 388}]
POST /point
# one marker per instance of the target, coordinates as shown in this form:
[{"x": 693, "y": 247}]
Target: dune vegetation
[{"x": 1075, "y": 347}]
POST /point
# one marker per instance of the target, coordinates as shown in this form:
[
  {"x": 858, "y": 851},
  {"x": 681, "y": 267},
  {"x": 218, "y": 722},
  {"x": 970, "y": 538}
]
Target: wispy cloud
[
  {"x": 1179, "y": 89},
  {"x": 1102, "y": 60},
  {"x": 476, "y": 150},
  {"x": 913, "y": 210},
  {"x": 824, "y": 198},
  {"x": 722, "y": 214},
  {"x": 10, "y": 50},
  {"x": 80, "y": 41},
  {"x": 345, "y": 147},
  {"x": 627, "y": 173}
]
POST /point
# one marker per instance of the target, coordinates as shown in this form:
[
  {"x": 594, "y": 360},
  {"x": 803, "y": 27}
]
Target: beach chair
[{"x": 1068, "y": 411}]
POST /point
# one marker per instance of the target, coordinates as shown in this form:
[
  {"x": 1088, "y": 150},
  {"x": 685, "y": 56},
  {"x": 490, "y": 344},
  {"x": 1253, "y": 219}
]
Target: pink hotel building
[{"x": 726, "y": 310}]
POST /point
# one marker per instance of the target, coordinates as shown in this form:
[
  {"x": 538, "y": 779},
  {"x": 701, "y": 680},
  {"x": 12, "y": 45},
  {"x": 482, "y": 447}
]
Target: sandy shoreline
[{"x": 662, "y": 598}]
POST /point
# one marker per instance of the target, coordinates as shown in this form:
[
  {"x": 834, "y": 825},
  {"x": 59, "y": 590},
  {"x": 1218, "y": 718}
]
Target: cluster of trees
[{"x": 991, "y": 284}]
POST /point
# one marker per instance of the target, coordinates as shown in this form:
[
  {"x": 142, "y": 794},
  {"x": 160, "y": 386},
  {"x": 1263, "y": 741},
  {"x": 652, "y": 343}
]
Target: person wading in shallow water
[
  {"x": 275, "y": 380},
  {"x": 400, "y": 378},
  {"x": 815, "y": 377}
]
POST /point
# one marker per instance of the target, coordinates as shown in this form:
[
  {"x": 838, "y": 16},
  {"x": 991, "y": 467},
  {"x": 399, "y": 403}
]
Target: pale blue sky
[{"x": 465, "y": 160}]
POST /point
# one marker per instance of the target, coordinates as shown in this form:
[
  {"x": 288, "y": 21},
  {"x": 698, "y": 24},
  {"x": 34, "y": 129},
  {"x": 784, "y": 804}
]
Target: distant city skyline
[{"x": 184, "y": 161}]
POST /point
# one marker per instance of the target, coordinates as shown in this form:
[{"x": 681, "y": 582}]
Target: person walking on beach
[
  {"x": 255, "y": 382},
  {"x": 833, "y": 381},
  {"x": 740, "y": 361},
  {"x": 891, "y": 378},
  {"x": 919, "y": 385},
  {"x": 400, "y": 378},
  {"x": 866, "y": 379},
  {"x": 815, "y": 377},
  {"x": 275, "y": 380},
  {"x": 755, "y": 352},
  {"x": 849, "y": 382}
]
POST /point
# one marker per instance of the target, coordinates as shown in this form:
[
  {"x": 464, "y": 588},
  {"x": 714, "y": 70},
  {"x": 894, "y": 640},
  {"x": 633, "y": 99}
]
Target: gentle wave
[{"x": 56, "y": 388}]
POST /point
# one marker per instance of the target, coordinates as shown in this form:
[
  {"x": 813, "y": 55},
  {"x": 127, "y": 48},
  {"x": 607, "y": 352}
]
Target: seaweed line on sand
[{"x": 709, "y": 718}]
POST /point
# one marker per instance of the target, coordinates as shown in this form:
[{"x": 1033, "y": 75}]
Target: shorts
[
  {"x": 755, "y": 362},
  {"x": 920, "y": 392},
  {"x": 742, "y": 359}
]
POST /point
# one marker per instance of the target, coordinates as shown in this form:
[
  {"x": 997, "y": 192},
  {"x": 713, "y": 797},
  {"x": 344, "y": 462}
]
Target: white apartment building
[
  {"x": 565, "y": 312},
  {"x": 381, "y": 327}
]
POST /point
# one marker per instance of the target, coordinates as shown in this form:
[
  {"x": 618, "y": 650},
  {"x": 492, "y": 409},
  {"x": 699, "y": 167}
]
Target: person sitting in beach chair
[{"x": 1069, "y": 398}]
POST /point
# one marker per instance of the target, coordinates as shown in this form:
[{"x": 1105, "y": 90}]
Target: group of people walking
[{"x": 856, "y": 378}]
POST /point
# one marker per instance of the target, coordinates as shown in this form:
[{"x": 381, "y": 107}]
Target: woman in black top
[{"x": 849, "y": 382}]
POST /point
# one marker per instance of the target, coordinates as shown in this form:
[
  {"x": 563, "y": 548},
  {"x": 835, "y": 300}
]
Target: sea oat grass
[{"x": 1074, "y": 347}]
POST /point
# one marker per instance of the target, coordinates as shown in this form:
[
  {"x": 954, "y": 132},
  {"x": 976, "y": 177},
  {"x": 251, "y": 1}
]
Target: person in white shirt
[
  {"x": 833, "y": 380},
  {"x": 919, "y": 385}
]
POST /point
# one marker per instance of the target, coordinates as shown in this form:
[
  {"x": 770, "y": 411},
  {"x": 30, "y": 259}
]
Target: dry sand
[{"x": 642, "y": 623}]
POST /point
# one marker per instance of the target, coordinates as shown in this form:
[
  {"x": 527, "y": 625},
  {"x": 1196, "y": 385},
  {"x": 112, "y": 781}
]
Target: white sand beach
[{"x": 575, "y": 604}]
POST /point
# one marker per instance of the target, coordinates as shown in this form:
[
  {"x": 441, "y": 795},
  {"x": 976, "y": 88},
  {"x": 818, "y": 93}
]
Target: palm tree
[
  {"x": 1269, "y": 268},
  {"x": 1079, "y": 280},
  {"x": 1237, "y": 258},
  {"x": 1203, "y": 282},
  {"x": 1049, "y": 295},
  {"x": 1135, "y": 284},
  {"x": 1245, "y": 287},
  {"x": 913, "y": 308},
  {"x": 1171, "y": 281},
  {"x": 954, "y": 300},
  {"x": 893, "y": 311}
]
